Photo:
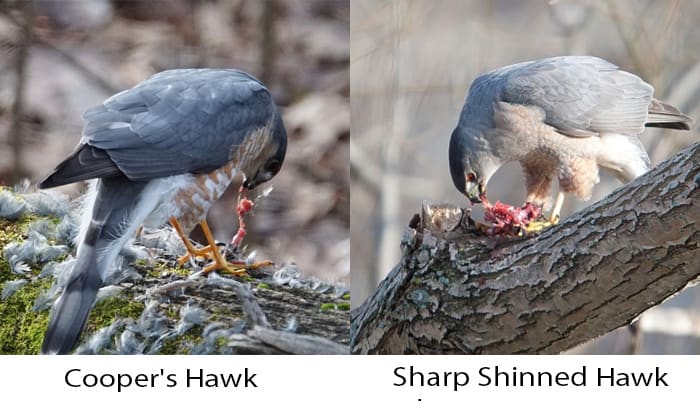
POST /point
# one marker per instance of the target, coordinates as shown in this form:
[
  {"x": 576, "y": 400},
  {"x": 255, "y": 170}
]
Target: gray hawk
[
  {"x": 560, "y": 117},
  {"x": 164, "y": 150}
]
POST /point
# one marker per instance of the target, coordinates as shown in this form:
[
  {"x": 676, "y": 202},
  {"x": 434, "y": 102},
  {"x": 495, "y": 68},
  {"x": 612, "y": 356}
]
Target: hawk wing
[
  {"x": 176, "y": 122},
  {"x": 581, "y": 96}
]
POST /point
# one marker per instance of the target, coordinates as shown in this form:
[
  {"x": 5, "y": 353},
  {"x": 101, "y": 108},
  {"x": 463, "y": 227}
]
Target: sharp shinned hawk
[{"x": 561, "y": 117}]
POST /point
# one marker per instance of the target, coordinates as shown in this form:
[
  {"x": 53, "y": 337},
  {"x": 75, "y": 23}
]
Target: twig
[
  {"x": 390, "y": 198},
  {"x": 16, "y": 135},
  {"x": 260, "y": 340},
  {"x": 268, "y": 41}
]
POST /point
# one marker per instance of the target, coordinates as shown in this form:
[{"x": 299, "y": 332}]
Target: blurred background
[
  {"x": 412, "y": 62},
  {"x": 60, "y": 57}
]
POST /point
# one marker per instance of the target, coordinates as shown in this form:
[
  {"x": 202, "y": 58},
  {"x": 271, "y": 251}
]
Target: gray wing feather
[
  {"x": 581, "y": 96},
  {"x": 178, "y": 121}
]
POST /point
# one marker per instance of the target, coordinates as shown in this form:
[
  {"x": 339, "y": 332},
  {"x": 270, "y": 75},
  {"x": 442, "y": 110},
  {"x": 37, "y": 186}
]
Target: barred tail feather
[
  {"x": 664, "y": 115},
  {"x": 69, "y": 314},
  {"x": 117, "y": 210}
]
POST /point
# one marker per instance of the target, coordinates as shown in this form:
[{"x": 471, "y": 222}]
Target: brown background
[{"x": 81, "y": 52}]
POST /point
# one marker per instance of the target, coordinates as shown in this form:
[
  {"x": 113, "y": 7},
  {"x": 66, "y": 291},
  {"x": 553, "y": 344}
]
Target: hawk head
[
  {"x": 470, "y": 166},
  {"x": 269, "y": 162}
]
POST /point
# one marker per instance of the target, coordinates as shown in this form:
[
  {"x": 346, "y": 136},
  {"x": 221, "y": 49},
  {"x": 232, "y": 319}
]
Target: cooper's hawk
[
  {"x": 163, "y": 150},
  {"x": 560, "y": 117}
]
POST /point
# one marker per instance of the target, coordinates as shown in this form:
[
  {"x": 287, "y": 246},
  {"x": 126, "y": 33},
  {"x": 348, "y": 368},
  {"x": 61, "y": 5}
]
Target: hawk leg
[
  {"x": 211, "y": 251},
  {"x": 539, "y": 225}
]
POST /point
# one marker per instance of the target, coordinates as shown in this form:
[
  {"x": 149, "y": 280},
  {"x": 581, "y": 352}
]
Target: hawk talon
[
  {"x": 537, "y": 226},
  {"x": 212, "y": 252},
  {"x": 482, "y": 227},
  {"x": 236, "y": 268},
  {"x": 193, "y": 253}
]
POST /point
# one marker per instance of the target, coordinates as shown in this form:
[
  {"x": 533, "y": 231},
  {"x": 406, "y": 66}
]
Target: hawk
[
  {"x": 560, "y": 117},
  {"x": 164, "y": 150}
]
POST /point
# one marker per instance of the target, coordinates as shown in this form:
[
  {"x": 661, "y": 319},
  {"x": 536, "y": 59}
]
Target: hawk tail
[
  {"x": 663, "y": 115},
  {"x": 107, "y": 231},
  {"x": 69, "y": 314}
]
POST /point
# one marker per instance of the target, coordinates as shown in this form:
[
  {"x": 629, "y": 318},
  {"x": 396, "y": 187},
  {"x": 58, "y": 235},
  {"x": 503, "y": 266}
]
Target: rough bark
[{"x": 455, "y": 291}]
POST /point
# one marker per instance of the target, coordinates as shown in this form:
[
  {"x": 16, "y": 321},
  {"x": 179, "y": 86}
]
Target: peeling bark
[{"x": 455, "y": 291}]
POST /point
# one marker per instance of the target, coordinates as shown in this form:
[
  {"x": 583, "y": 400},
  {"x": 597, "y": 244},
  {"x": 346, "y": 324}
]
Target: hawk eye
[
  {"x": 471, "y": 177},
  {"x": 273, "y": 165}
]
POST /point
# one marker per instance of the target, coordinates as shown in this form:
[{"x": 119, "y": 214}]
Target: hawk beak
[
  {"x": 475, "y": 192},
  {"x": 248, "y": 184}
]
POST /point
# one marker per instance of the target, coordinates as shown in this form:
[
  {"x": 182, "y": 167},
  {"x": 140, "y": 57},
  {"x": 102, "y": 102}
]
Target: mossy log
[{"x": 150, "y": 309}]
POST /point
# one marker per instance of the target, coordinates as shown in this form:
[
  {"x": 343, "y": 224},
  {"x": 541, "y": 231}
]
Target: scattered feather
[
  {"x": 193, "y": 315},
  {"x": 46, "y": 299},
  {"x": 35, "y": 250},
  {"x": 45, "y": 227},
  {"x": 129, "y": 344},
  {"x": 288, "y": 275},
  {"x": 101, "y": 339},
  {"x": 292, "y": 325},
  {"x": 48, "y": 203},
  {"x": 11, "y": 287},
  {"x": 107, "y": 292},
  {"x": 66, "y": 230},
  {"x": 11, "y": 206}
]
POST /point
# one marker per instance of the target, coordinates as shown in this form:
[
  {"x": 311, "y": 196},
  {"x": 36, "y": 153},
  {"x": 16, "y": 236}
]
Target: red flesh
[
  {"x": 244, "y": 206},
  {"x": 507, "y": 219}
]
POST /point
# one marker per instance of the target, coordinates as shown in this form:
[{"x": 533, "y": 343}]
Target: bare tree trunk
[
  {"x": 459, "y": 292},
  {"x": 16, "y": 135},
  {"x": 268, "y": 40}
]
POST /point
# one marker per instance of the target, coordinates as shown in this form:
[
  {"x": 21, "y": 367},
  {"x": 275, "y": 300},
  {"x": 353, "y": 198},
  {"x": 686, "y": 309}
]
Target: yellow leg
[
  {"x": 211, "y": 251},
  {"x": 556, "y": 210},
  {"x": 535, "y": 226},
  {"x": 236, "y": 268},
  {"x": 192, "y": 252}
]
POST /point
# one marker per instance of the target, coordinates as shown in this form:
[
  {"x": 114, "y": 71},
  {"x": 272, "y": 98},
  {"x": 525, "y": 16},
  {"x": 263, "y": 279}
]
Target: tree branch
[
  {"x": 16, "y": 135},
  {"x": 460, "y": 292}
]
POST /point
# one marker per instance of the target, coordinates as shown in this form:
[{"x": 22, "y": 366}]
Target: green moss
[
  {"x": 222, "y": 342},
  {"x": 21, "y": 328},
  {"x": 181, "y": 344},
  {"x": 328, "y": 306},
  {"x": 346, "y": 297},
  {"x": 161, "y": 269},
  {"x": 344, "y": 306},
  {"x": 172, "y": 312},
  {"x": 15, "y": 231},
  {"x": 108, "y": 310},
  {"x": 264, "y": 286}
]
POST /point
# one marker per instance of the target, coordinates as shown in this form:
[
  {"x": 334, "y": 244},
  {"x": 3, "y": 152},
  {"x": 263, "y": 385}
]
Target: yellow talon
[
  {"x": 236, "y": 269},
  {"x": 536, "y": 226},
  {"x": 211, "y": 251}
]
